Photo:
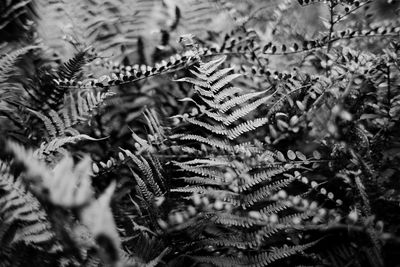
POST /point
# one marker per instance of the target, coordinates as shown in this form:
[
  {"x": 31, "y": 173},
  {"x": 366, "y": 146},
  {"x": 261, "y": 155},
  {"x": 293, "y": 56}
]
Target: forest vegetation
[{"x": 199, "y": 133}]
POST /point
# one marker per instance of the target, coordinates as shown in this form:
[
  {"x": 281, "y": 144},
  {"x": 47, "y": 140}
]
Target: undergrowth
[{"x": 199, "y": 133}]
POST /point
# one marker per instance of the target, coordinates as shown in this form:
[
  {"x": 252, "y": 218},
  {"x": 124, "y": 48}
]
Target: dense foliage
[{"x": 199, "y": 133}]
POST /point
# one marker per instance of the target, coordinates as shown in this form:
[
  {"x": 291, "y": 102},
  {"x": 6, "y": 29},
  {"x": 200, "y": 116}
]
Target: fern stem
[{"x": 331, "y": 24}]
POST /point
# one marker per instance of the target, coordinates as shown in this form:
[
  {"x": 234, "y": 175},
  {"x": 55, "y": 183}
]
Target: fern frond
[
  {"x": 200, "y": 180},
  {"x": 240, "y": 113},
  {"x": 266, "y": 258},
  {"x": 264, "y": 176},
  {"x": 70, "y": 70},
  {"x": 158, "y": 171},
  {"x": 288, "y": 219},
  {"x": 213, "y": 142},
  {"x": 34, "y": 234},
  {"x": 224, "y": 81},
  {"x": 246, "y": 127},
  {"x": 242, "y": 241},
  {"x": 211, "y": 66},
  {"x": 275, "y": 207},
  {"x": 218, "y": 75},
  {"x": 191, "y": 189},
  {"x": 146, "y": 170},
  {"x": 260, "y": 259},
  {"x": 56, "y": 144},
  {"x": 228, "y": 241},
  {"x": 204, "y": 171},
  {"x": 214, "y": 162},
  {"x": 265, "y": 191},
  {"x": 150, "y": 178},
  {"x": 196, "y": 82},
  {"x": 228, "y": 92},
  {"x": 8, "y": 61},
  {"x": 217, "y": 193},
  {"x": 21, "y": 211},
  {"x": 218, "y": 129},
  {"x": 236, "y": 100},
  {"x": 228, "y": 219},
  {"x": 76, "y": 110},
  {"x": 50, "y": 127},
  {"x": 148, "y": 195}
]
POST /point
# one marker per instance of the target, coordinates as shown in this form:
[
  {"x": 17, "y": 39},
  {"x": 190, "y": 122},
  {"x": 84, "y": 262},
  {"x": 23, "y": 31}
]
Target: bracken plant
[{"x": 199, "y": 133}]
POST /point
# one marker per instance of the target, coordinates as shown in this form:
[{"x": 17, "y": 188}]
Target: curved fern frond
[{"x": 8, "y": 61}]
